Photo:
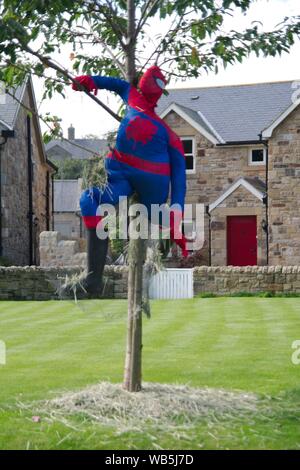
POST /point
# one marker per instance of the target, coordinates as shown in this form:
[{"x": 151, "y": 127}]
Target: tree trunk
[
  {"x": 133, "y": 360},
  {"x": 130, "y": 50},
  {"x": 136, "y": 257}
]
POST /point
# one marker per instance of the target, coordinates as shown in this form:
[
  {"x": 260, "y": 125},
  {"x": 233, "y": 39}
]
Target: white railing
[{"x": 172, "y": 283}]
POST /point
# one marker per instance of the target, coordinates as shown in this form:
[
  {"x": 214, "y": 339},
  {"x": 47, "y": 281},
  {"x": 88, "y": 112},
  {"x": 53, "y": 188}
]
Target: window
[
  {"x": 257, "y": 156},
  {"x": 189, "y": 152}
]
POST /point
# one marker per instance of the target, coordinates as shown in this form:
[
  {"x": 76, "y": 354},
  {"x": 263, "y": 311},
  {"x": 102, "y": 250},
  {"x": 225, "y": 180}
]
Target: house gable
[
  {"x": 256, "y": 189},
  {"x": 195, "y": 121},
  {"x": 59, "y": 153},
  {"x": 6, "y": 126},
  {"x": 268, "y": 132}
]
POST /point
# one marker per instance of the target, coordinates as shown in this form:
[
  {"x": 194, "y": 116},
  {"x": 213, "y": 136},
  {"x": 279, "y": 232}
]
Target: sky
[{"x": 88, "y": 118}]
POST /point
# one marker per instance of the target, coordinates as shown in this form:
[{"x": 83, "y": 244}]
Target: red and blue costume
[{"x": 148, "y": 157}]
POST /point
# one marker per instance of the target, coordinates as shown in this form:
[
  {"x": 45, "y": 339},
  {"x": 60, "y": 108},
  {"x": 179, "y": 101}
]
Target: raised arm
[{"x": 95, "y": 82}]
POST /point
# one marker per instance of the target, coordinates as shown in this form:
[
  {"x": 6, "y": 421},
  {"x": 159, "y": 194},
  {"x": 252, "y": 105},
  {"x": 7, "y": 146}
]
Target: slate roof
[
  {"x": 238, "y": 113},
  {"x": 256, "y": 183},
  {"x": 196, "y": 117},
  {"x": 10, "y": 107},
  {"x": 94, "y": 145},
  {"x": 66, "y": 195}
]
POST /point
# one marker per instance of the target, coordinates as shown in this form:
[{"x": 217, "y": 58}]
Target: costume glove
[
  {"x": 87, "y": 82},
  {"x": 176, "y": 233}
]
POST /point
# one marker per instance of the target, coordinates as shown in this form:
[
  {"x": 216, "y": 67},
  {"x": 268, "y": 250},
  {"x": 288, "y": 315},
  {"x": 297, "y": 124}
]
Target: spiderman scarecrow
[{"x": 148, "y": 159}]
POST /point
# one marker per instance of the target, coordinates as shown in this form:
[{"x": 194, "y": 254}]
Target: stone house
[
  {"x": 73, "y": 148},
  {"x": 67, "y": 218},
  {"x": 242, "y": 146},
  {"x": 25, "y": 178}
]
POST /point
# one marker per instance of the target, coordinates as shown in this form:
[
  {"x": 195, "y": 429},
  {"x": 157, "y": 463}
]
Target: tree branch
[
  {"x": 65, "y": 73},
  {"x": 157, "y": 49},
  {"x": 112, "y": 22},
  {"x": 144, "y": 16},
  {"x": 96, "y": 39},
  {"x": 112, "y": 55}
]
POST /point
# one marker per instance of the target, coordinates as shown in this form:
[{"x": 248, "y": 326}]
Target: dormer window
[{"x": 257, "y": 156}]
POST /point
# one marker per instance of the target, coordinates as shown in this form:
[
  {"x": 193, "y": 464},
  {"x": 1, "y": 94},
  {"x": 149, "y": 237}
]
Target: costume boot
[{"x": 96, "y": 257}]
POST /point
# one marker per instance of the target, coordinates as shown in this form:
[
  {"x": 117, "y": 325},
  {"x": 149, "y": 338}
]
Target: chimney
[{"x": 71, "y": 132}]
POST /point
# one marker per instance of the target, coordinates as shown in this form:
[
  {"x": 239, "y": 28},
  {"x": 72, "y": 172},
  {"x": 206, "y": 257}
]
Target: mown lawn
[{"x": 229, "y": 343}]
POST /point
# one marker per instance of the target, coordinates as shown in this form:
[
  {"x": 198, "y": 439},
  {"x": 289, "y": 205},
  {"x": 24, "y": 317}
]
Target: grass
[{"x": 236, "y": 344}]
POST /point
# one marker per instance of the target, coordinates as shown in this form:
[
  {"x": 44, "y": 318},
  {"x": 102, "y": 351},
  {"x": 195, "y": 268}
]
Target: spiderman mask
[{"x": 152, "y": 85}]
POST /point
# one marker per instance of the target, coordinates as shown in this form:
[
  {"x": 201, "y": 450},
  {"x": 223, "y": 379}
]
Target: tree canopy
[{"x": 191, "y": 39}]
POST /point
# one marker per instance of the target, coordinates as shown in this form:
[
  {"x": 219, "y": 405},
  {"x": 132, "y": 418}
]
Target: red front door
[{"x": 241, "y": 240}]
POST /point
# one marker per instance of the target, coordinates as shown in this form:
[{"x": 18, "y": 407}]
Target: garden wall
[
  {"x": 40, "y": 283},
  {"x": 229, "y": 280}
]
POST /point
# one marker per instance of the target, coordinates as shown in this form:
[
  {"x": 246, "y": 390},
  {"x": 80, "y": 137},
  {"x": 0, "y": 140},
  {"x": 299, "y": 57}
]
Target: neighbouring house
[
  {"x": 25, "y": 177},
  {"x": 67, "y": 218},
  {"x": 242, "y": 146},
  {"x": 72, "y": 148}
]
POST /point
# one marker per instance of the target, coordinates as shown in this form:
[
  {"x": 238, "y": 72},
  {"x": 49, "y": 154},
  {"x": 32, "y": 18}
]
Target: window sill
[{"x": 256, "y": 163}]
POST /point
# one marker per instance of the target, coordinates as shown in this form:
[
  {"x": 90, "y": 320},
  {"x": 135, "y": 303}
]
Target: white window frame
[
  {"x": 251, "y": 162},
  {"x": 192, "y": 138}
]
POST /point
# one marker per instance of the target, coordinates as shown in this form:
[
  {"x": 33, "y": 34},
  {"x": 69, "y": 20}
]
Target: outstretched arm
[
  {"x": 95, "y": 82},
  {"x": 119, "y": 86}
]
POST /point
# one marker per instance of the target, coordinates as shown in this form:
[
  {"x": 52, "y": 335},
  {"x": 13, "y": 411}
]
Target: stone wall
[
  {"x": 36, "y": 283},
  {"x": 284, "y": 191},
  {"x": 254, "y": 279},
  {"x": 14, "y": 182},
  {"x": 56, "y": 252}
]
